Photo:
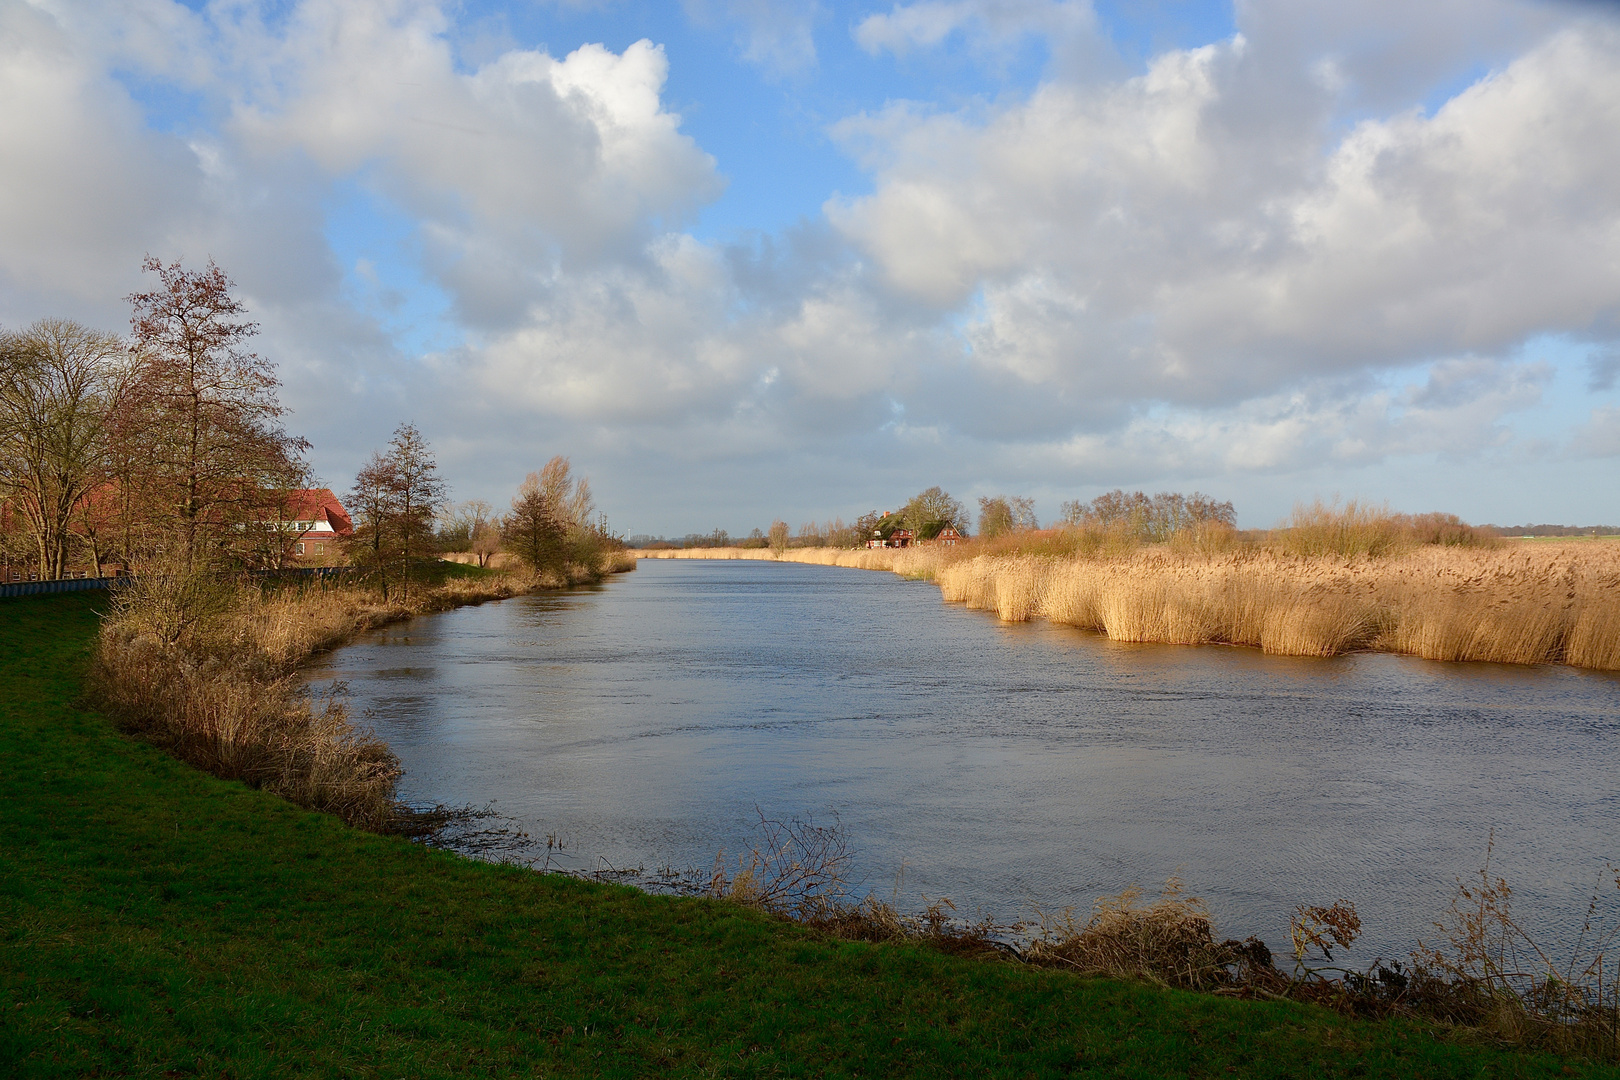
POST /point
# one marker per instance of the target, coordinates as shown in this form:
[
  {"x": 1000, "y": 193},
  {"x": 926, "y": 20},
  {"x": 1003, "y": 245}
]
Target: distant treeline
[{"x": 1555, "y": 530}]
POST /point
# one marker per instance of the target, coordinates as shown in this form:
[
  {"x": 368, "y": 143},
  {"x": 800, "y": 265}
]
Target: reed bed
[
  {"x": 1541, "y": 603},
  {"x": 1520, "y": 605},
  {"x": 205, "y": 668}
]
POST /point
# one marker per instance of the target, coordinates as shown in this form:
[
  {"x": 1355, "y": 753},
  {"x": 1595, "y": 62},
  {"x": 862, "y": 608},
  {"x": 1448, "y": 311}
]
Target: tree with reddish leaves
[
  {"x": 59, "y": 384},
  {"x": 211, "y": 417}
]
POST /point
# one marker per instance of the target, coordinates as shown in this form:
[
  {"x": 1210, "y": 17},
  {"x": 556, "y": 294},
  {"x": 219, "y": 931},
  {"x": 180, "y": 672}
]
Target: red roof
[{"x": 319, "y": 504}]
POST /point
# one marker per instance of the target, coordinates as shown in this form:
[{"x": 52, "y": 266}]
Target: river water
[{"x": 647, "y": 722}]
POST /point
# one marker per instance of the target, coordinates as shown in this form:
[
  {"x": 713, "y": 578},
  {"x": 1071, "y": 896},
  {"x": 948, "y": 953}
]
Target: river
[{"x": 646, "y": 723}]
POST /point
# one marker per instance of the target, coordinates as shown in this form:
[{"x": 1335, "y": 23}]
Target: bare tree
[
  {"x": 395, "y": 498},
  {"x": 212, "y": 417},
  {"x": 534, "y": 529},
  {"x": 930, "y": 511},
  {"x": 458, "y": 522},
  {"x": 1156, "y": 518},
  {"x": 59, "y": 383},
  {"x": 1003, "y": 514},
  {"x": 419, "y": 492},
  {"x": 273, "y": 507},
  {"x": 779, "y": 536},
  {"x": 550, "y": 524},
  {"x": 471, "y": 526},
  {"x": 373, "y": 502}
]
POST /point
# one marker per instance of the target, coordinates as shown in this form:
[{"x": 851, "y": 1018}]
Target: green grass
[{"x": 155, "y": 921}]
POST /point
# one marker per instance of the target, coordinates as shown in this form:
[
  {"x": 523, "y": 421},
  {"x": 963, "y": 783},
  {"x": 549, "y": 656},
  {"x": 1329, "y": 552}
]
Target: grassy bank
[
  {"x": 1508, "y": 603},
  {"x": 157, "y": 921}
]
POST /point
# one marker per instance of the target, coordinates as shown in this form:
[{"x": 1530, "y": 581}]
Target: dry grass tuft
[
  {"x": 203, "y": 667},
  {"x": 1169, "y": 941},
  {"x": 1489, "y": 973},
  {"x": 235, "y": 722}
]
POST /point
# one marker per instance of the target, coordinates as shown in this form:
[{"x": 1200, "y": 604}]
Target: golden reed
[
  {"x": 1544, "y": 602},
  {"x": 205, "y": 668}
]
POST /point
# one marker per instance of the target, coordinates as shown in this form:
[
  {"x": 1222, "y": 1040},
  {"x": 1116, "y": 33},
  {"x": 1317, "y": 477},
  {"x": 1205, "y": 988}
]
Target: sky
[{"x": 747, "y": 259}]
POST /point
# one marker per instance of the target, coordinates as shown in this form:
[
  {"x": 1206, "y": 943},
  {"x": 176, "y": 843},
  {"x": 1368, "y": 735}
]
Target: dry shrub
[
  {"x": 972, "y": 583},
  {"x": 1206, "y": 538},
  {"x": 1169, "y": 941},
  {"x": 1318, "y": 620},
  {"x": 1489, "y": 973},
  {"x": 1449, "y": 530},
  {"x": 1018, "y": 586},
  {"x": 1322, "y": 929},
  {"x": 234, "y": 717},
  {"x": 618, "y": 561},
  {"x": 1156, "y": 605},
  {"x": 1359, "y": 529},
  {"x": 920, "y": 562},
  {"x": 1484, "y": 601},
  {"x": 937, "y": 926},
  {"x": 203, "y": 666},
  {"x": 172, "y": 601},
  {"x": 1594, "y": 637},
  {"x": 1354, "y": 529},
  {"x": 793, "y": 867},
  {"x": 799, "y": 870}
]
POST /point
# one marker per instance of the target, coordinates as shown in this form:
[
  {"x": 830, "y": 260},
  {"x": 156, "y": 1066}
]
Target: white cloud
[
  {"x": 81, "y": 180},
  {"x": 777, "y": 36},
  {"x": 1155, "y": 239},
  {"x": 522, "y": 166},
  {"x": 987, "y": 24},
  {"x": 1599, "y": 437},
  {"x": 1197, "y": 272}
]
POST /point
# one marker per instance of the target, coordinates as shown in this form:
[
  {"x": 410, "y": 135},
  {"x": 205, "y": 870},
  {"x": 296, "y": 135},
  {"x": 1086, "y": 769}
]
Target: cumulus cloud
[
  {"x": 1151, "y": 240},
  {"x": 1202, "y": 270},
  {"x": 524, "y": 166},
  {"x": 82, "y": 182}
]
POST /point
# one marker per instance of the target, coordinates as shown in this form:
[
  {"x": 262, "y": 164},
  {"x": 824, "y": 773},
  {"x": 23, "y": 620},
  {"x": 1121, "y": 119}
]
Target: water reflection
[{"x": 1007, "y": 767}]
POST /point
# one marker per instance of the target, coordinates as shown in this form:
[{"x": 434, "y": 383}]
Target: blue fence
[{"x": 40, "y": 588}]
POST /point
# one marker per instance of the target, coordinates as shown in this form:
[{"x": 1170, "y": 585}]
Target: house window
[
  {"x": 320, "y": 549},
  {"x": 298, "y": 548}
]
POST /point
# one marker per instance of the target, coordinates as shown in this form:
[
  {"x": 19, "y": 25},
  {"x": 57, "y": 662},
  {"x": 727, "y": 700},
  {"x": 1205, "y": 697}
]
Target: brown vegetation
[
  {"x": 1509, "y": 605},
  {"x": 1360, "y": 529},
  {"x": 1486, "y": 978},
  {"x": 168, "y": 445},
  {"x": 1477, "y": 599},
  {"x": 204, "y": 667}
]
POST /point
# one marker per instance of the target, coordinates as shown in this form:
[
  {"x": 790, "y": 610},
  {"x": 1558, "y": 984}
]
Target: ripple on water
[{"x": 1005, "y": 766}]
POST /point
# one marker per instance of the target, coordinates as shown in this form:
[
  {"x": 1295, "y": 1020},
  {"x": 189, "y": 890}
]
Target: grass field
[{"x": 155, "y": 921}]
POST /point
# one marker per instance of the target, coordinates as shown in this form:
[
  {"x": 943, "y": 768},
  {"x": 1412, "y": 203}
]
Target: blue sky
[{"x": 745, "y": 259}]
